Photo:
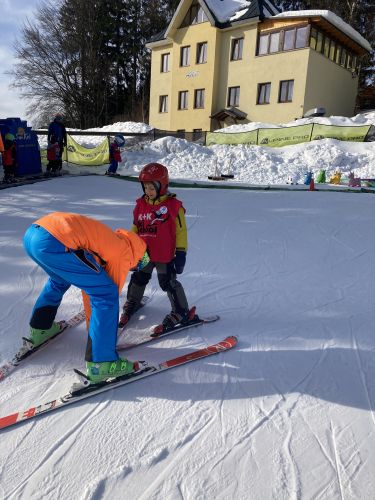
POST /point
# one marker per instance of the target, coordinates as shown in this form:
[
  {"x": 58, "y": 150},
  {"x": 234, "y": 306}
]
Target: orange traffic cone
[{"x": 312, "y": 185}]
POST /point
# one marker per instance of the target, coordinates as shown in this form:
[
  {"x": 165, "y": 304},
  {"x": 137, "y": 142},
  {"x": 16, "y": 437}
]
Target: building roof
[
  {"x": 224, "y": 13},
  {"x": 229, "y": 11},
  {"x": 234, "y": 113}
]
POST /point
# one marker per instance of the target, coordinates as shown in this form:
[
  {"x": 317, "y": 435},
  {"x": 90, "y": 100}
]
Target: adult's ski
[
  {"x": 84, "y": 389},
  {"x": 130, "y": 339},
  {"x": 27, "y": 348}
]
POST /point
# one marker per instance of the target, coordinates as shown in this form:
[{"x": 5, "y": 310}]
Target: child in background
[
  {"x": 159, "y": 219},
  {"x": 9, "y": 158},
  {"x": 115, "y": 154},
  {"x": 53, "y": 156}
]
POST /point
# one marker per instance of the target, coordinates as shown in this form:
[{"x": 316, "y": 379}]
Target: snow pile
[{"x": 248, "y": 164}]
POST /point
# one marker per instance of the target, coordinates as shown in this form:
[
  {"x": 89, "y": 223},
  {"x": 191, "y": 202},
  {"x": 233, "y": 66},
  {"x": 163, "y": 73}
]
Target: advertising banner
[
  {"x": 75, "y": 153},
  {"x": 286, "y": 136},
  {"x": 356, "y": 134},
  {"x": 232, "y": 138}
]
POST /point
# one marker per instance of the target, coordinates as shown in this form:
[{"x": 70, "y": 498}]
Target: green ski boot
[
  {"x": 38, "y": 337},
  {"x": 101, "y": 371}
]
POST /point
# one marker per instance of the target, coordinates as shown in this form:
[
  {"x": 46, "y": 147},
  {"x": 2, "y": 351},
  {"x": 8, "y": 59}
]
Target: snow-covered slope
[{"x": 287, "y": 414}]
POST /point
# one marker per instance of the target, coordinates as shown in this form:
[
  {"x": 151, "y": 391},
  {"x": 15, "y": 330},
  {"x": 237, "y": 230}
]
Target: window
[
  {"x": 274, "y": 42},
  {"x": 234, "y": 96},
  {"x": 236, "y": 51},
  {"x": 338, "y": 54},
  {"x": 343, "y": 57},
  {"x": 263, "y": 45},
  {"x": 199, "y": 98},
  {"x": 289, "y": 39},
  {"x": 183, "y": 99},
  {"x": 313, "y": 38},
  {"x": 319, "y": 42},
  {"x": 285, "y": 39},
  {"x": 195, "y": 15},
  {"x": 264, "y": 92},
  {"x": 302, "y": 37},
  {"x": 185, "y": 56},
  {"x": 332, "y": 50},
  {"x": 202, "y": 53},
  {"x": 163, "y": 104},
  {"x": 286, "y": 91},
  {"x": 164, "y": 63}
]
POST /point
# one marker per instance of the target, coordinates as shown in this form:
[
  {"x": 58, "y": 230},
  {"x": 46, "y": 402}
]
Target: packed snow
[{"x": 287, "y": 414}]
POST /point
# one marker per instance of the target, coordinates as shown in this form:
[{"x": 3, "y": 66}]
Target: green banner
[
  {"x": 341, "y": 133},
  {"x": 43, "y": 157},
  {"x": 286, "y": 136},
  {"x": 75, "y": 153},
  {"x": 232, "y": 138}
]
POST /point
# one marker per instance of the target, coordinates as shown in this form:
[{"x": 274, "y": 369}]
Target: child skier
[
  {"x": 159, "y": 219},
  {"x": 53, "y": 155},
  {"x": 115, "y": 154},
  {"x": 77, "y": 250},
  {"x": 9, "y": 158}
]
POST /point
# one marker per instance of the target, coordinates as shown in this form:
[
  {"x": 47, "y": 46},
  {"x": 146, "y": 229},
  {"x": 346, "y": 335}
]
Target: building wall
[
  {"x": 161, "y": 84},
  {"x": 317, "y": 80},
  {"x": 194, "y": 76},
  {"x": 252, "y": 70},
  {"x": 329, "y": 85}
]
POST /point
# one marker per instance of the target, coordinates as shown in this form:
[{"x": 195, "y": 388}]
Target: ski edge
[{"x": 22, "y": 416}]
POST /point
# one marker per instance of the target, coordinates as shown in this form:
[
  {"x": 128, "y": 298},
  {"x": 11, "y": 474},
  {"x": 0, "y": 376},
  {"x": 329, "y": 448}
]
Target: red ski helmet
[{"x": 158, "y": 175}]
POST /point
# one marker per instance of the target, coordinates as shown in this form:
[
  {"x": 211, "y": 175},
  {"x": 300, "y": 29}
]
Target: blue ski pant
[
  {"x": 68, "y": 267},
  {"x": 113, "y": 167}
]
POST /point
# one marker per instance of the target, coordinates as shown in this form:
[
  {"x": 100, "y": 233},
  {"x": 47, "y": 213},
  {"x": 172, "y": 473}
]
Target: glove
[{"x": 179, "y": 261}]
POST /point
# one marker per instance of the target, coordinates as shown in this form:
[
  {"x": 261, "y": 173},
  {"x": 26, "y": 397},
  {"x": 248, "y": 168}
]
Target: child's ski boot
[{"x": 174, "y": 321}]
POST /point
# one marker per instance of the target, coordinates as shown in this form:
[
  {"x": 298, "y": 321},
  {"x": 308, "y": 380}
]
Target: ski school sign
[{"x": 286, "y": 136}]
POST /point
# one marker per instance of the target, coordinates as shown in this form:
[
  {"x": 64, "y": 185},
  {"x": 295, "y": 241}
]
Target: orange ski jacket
[{"x": 116, "y": 251}]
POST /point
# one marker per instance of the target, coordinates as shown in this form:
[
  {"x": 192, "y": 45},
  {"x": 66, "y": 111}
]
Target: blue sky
[{"x": 13, "y": 14}]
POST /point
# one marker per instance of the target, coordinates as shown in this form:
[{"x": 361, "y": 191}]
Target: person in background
[
  {"x": 115, "y": 153},
  {"x": 159, "y": 219},
  {"x": 57, "y": 129},
  {"x": 77, "y": 250},
  {"x": 9, "y": 158},
  {"x": 53, "y": 156}
]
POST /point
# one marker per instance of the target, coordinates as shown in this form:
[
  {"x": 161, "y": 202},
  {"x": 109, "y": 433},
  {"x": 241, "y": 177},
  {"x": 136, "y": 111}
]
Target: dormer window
[{"x": 195, "y": 15}]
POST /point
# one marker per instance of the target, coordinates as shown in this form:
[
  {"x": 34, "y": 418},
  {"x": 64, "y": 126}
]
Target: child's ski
[
  {"x": 28, "y": 349},
  {"x": 134, "y": 339},
  {"x": 84, "y": 389}
]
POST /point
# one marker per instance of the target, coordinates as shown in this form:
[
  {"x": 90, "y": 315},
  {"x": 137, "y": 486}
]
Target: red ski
[{"x": 84, "y": 389}]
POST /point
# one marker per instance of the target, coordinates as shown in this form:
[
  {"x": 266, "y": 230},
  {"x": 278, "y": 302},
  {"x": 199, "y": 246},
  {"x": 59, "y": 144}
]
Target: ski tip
[{"x": 232, "y": 340}]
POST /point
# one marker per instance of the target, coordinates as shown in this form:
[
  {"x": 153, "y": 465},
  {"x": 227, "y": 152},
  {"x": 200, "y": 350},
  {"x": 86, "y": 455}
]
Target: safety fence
[{"x": 286, "y": 136}]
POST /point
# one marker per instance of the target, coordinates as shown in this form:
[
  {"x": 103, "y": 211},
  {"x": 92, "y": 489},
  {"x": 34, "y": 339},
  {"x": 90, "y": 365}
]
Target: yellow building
[{"x": 221, "y": 62}]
